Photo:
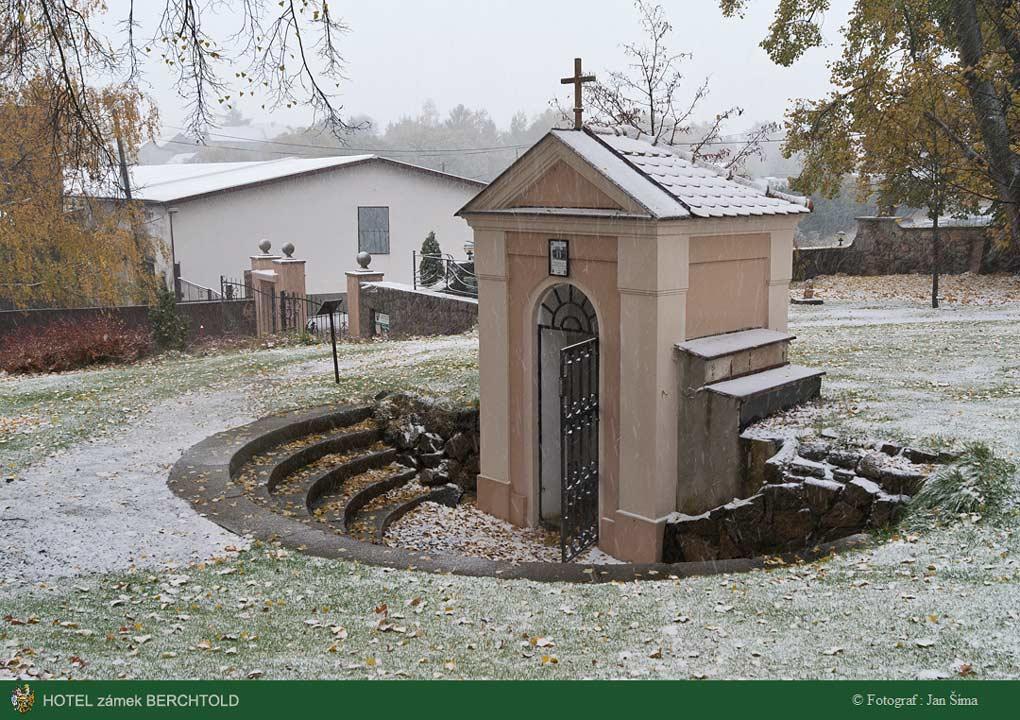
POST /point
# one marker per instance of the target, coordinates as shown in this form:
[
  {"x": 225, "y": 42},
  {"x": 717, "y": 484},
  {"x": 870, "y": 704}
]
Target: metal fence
[
  {"x": 441, "y": 273},
  {"x": 289, "y": 312}
]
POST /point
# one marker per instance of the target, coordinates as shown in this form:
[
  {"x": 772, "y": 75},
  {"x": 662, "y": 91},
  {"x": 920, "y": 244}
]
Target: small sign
[{"x": 559, "y": 258}]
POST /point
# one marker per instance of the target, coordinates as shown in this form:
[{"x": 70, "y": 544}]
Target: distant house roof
[
  {"x": 177, "y": 182},
  {"x": 919, "y": 220},
  {"x": 664, "y": 182}
]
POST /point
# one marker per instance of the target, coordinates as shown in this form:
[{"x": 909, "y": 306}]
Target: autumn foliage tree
[
  {"x": 55, "y": 250},
  {"x": 947, "y": 71}
]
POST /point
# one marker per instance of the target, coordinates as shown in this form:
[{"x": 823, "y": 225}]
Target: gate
[{"x": 579, "y": 447}]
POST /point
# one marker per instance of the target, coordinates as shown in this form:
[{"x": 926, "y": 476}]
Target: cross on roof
[{"x": 577, "y": 81}]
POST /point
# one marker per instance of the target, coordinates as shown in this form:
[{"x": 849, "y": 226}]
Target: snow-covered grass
[{"x": 925, "y": 604}]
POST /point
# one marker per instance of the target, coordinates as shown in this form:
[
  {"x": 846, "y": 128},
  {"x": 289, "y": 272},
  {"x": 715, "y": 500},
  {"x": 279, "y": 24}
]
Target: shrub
[
  {"x": 430, "y": 269},
  {"x": 979, "y": 482},
  {"x": 169, "y": 329},
  {"x": 69, "y": 345}
]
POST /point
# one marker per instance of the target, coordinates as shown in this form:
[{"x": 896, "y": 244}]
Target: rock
[
  {"x": 806, "y": 468},
  {"x": 842, "y": 517},
  {"x": 829, "y": 434},
  {"x": 697, "y": 549},
  {"x": 775, "y": 465},
  {"x": 815, "y": 450},
  {"x": 843, "y": 476},
  {"x": 821, "y": 494},
  {"x": 861, "y": 493},
  {"x": 887, "y": 509},
  {"x": 431, "y": 460},
  {"x": 406, "y": 436},
  {"x": 920, "y": 457},
  {"x": 691, "y": 537},
  {"x": 744, "y": 525},
  {"x": 407, "y": 460},
  {"x": 846, "y": 459},
  {"x": 756, "y": 453},
  {"x": 448, "y": 495},
  {"x": 787, "y": 496},
  {"x": 888, "y": 448},
  {"x": 459, "y": 446},
  {"x": 873, "y": 465},
  {"x": 435, "y": 477},
  {"x": 792, "y": 527},
  {"x": 429, "y": 443},
  {"x": 902, "y": 481}
]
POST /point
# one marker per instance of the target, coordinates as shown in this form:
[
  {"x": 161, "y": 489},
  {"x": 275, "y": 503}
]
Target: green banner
[{"x": 486, "y": 700}]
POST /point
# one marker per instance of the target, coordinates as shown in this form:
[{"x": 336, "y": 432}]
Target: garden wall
[
  {"x": 205, "y": 319},
  {"x": 885, "y": 247},
  {"x": 415, "y": 312}
]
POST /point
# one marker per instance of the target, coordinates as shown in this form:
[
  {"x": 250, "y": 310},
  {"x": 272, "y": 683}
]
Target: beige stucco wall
[
  {"x": 729, "y": 279},
  {"x": 593, "y": 271},
  {"x": 215, "y": 234}
]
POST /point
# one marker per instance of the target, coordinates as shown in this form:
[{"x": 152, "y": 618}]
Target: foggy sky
[{"x": 508, "y": 55}]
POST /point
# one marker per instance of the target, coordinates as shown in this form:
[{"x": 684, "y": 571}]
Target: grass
[{"x": 915, "y": 602}]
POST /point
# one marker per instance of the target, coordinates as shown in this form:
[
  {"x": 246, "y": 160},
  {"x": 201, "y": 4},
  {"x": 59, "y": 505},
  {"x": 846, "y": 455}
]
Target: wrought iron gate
[{"x": 579, "y": 446}]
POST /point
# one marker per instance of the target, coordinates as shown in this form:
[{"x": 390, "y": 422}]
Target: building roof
[
  {"x": 693, "y": 188},
  {"x": 177, "y": 182},
  {"x": 662, "y": 181}
]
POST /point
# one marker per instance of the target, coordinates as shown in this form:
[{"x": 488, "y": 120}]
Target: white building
[{"x": 212, "y": 216}]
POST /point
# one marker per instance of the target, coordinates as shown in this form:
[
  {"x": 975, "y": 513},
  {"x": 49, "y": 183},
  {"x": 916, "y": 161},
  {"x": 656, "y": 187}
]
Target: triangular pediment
[{"x": 551, "y": 175}]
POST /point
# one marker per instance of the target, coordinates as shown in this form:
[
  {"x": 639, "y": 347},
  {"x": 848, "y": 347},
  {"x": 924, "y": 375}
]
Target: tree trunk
[
  {"x": 1004, "y": 164},
  {"x": 936, "y": 261}
]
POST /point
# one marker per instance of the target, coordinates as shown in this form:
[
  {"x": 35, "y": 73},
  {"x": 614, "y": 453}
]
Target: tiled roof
[{"x": 671, "y": 185}]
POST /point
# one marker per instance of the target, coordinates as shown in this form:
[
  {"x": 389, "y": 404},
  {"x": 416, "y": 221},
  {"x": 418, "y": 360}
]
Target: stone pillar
[
  {"x": 291, "y": 280},
  {"x": 356, "y": 324},
  {"x": 263, "y": 282},
  {"x": 493, "y": 372},
  {"x": 653, "y": 281}
]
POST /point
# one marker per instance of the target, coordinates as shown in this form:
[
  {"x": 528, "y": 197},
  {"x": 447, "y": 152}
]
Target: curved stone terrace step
[
  {"x": 340, "y": 444},
  {"x": 366, "y": 495},
  {"x": 204, "y": 476},
  {"x": 329, "y": 482},
  {"x": 448, "y": 495}
]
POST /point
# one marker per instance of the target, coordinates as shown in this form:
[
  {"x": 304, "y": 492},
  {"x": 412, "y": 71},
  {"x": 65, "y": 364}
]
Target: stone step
[
  {"x": 761, "y": 394},
  {"x": 366, "y": 495},
  {"x": 284, "y": 465},
  {"x": 716, "y": 358},
  {"x": 448, "y": 495}
]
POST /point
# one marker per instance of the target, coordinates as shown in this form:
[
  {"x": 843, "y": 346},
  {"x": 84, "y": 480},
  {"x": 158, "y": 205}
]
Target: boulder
[
  {"x": 820, "y": 494},
  {"x": 429, "y": 442},
  {"x": 434, "y": 477},
  {"x": 431, "y": 460},
  {"x": 407, "y": 460},
  {"x": 697, "y": 549},
  {"x": 816, "y": 450},
  {"x": 888, "y": 448},
  {"x": 887, "y": 509},
  {"x": 792, "y": 528},
  {"x": 459, "y": 446},
  {"x": 872, "y": 465},
  {"x": 843, "y": 518},
  {"x": 860, "y": 493},
  {"x": 920, "y": 456},
  {"x": 902, "y": 481},
  {"x": 844, "y": 458},
  {"x": 843, "y": 476},
  {"x": 744, "y": 525},
  {"x": 776, "y": 464},
  {"x": 802, "y": 467},
  {"x": 690, "y": 537},
  {"x": 787, "y": 496}
]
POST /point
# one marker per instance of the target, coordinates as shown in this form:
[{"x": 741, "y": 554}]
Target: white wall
[{"x": 215, "y": 235}]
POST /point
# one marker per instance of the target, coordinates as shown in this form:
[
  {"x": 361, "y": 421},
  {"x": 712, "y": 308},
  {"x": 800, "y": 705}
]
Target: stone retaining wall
[
  {"x": 415, "y": 312},
  {"x": 205, "y": 319},
  {"x": 809, "y": 494},
  {"x": 884, "y": 247}
]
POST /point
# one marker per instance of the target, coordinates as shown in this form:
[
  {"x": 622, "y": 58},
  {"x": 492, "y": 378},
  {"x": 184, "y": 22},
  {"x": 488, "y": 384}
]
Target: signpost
[{"x": 331, "y": 308}]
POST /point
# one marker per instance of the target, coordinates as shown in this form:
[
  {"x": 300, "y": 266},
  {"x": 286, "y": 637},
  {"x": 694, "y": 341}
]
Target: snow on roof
[
  {"x": 919, "y": 219},
  {"x": 695, "y": 188},
  {"x": 171, "y": 183}
]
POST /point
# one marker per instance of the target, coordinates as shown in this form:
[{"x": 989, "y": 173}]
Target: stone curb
[{"x": 203, "y": 477}]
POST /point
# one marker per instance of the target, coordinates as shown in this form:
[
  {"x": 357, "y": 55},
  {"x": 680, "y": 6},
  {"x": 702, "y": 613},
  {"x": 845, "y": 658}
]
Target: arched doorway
[{"x": 568, "y": 385}]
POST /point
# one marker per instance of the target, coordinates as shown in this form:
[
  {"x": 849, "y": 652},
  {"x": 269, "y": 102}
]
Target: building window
[{"x": 374, "y": 230}]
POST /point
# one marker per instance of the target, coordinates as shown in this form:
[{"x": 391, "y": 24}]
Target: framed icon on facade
[{"x": 559, "y": 258}]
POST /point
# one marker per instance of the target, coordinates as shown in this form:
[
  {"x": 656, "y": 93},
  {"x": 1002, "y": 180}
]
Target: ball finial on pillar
[
  {"x": 264, "y": 246},
  {"x": 288, "y": 249},
  {"x": 364, "y": 259}
]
